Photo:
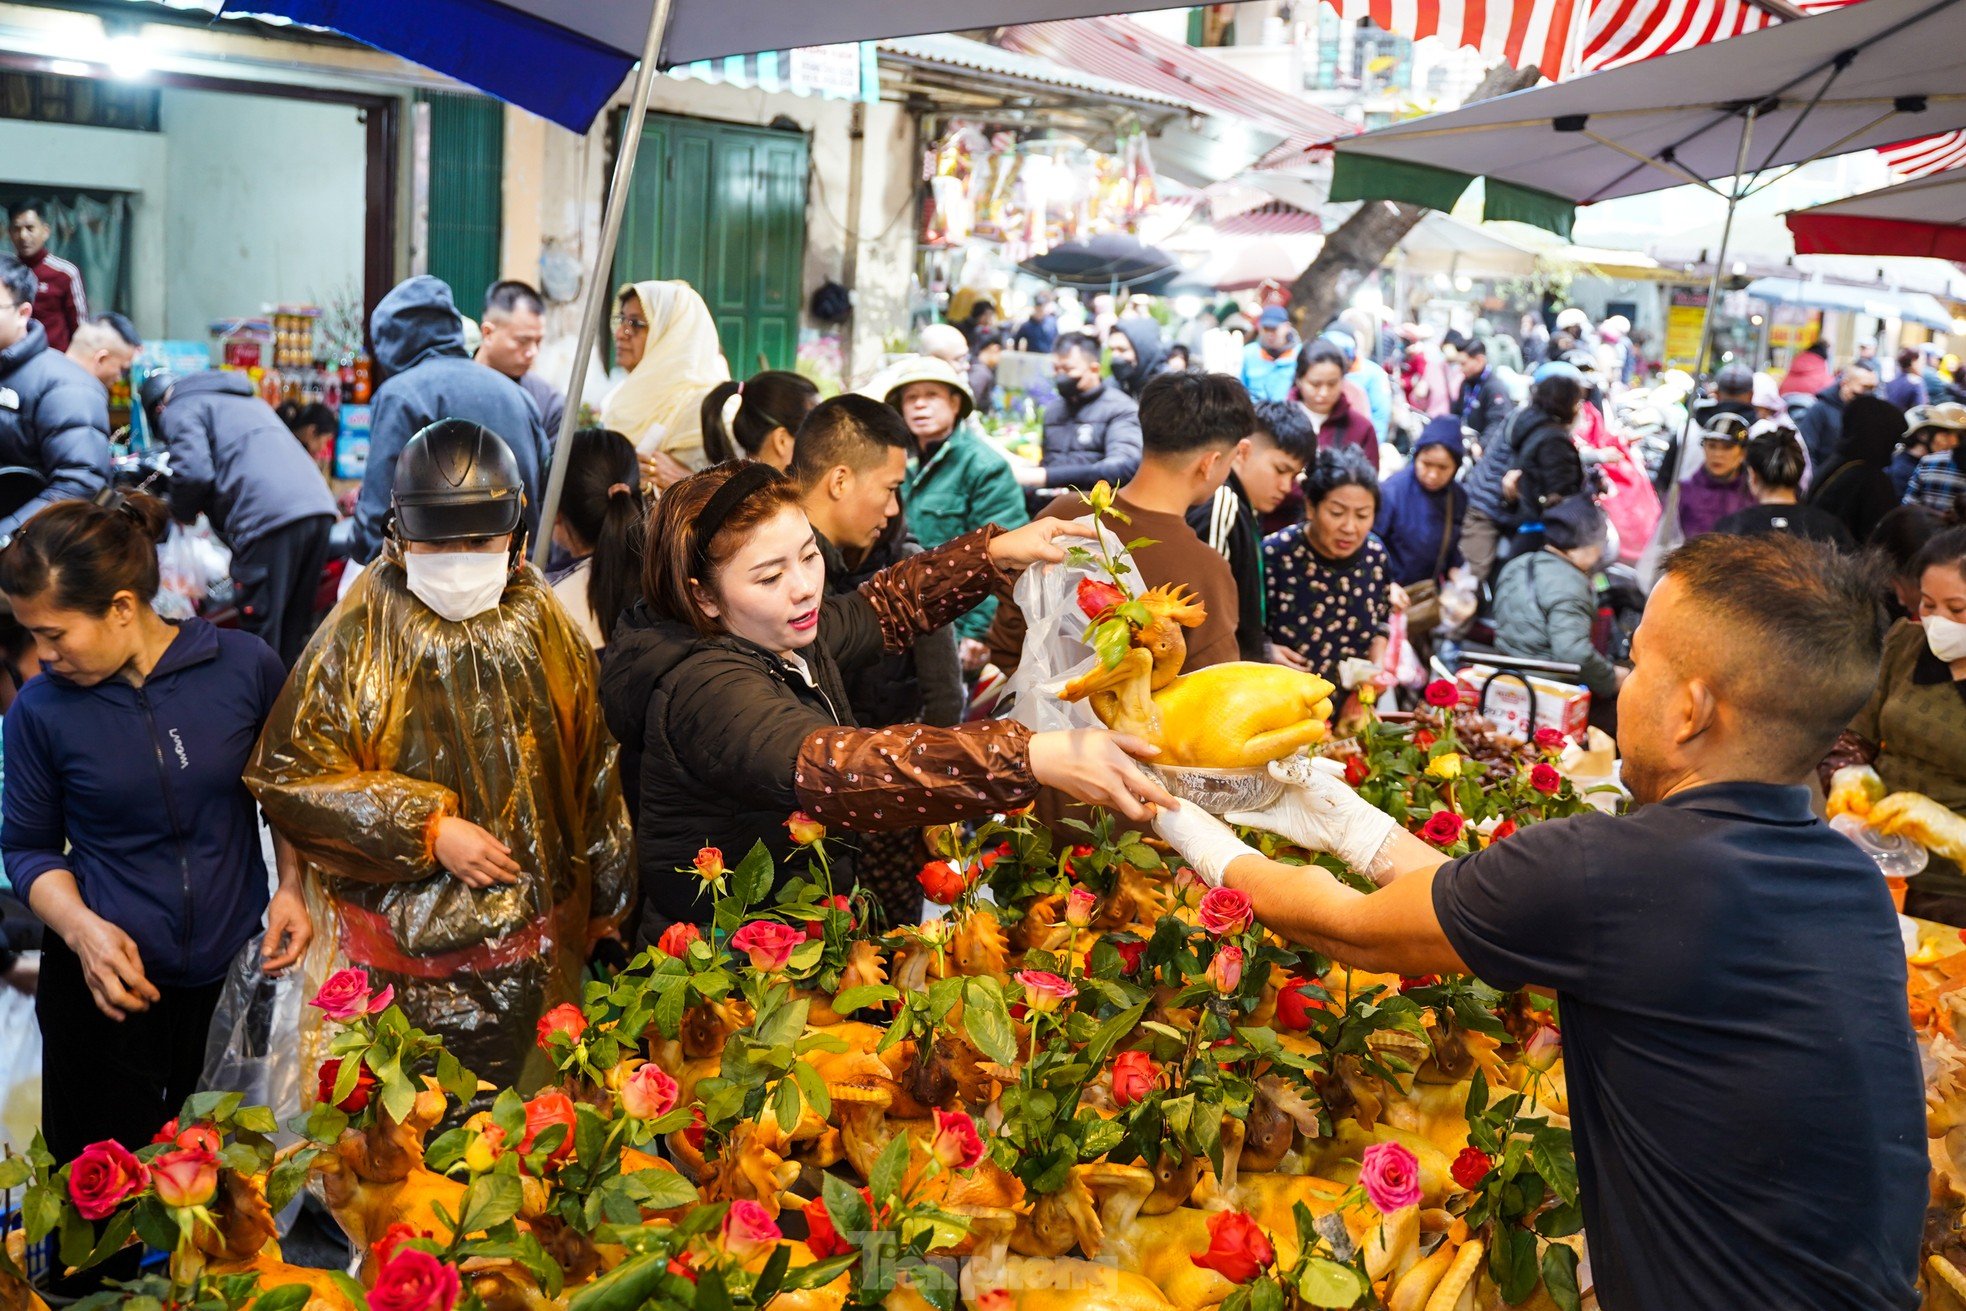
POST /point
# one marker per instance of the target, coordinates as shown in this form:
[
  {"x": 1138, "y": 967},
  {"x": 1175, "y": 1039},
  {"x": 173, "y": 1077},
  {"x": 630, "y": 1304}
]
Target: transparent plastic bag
[
  {"x": 191, "y": 563},
  {"x": 20, "y": 1070},
  {"x": 253, "y": 1046},
  {"x": 1054, "y": 648}
]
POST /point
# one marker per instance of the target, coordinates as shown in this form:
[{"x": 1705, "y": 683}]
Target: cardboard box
[{"x": 1566, "y": 706}]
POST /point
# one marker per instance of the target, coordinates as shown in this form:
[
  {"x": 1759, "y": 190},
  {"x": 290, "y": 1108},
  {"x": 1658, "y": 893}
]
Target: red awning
[
  {"x": 1924, "y": 217},
  {"x": 1276, "y": 219},
  {"x": 1120, "y": 49}
]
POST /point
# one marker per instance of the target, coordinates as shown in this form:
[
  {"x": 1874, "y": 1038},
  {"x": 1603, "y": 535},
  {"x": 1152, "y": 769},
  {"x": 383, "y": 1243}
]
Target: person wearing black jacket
[
  {"x": 1546, "y": 465},
  {"x": 233, "y": 460},
  {"x": 127, "y": 826},
  {"x": 1267, "y": 465},
  {"x": 1484, "y": 400},
  {"x": 54, "y": 417},
  {"x": 1855, "y": 488}
]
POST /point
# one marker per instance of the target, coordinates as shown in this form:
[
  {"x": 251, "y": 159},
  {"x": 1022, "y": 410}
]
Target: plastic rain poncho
[{"x": 395, "y": 718}]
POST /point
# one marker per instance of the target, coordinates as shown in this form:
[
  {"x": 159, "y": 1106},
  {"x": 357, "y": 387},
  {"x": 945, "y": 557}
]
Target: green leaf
[
  {"x": 847, "y": 1207},
  {"x": 492, "y": 1199},
  {"x": 287, "y": 1178},
  {"x": 1108, "y": 1035},
  {"x": 987, "y": 1021},
  {"x": 866, "y": 994},
  {"x": 287, "y": 1297},
  {"x": 356, "y": 1295},
  {"x": 624, "y": 1288},
  {"x": 256, "y": 1119},
  {"x": 1326, "y": 1283},
  {"x": 41, "y": 1208},
  {"x": 819, "y": 1274},
  {"x": 772, "y": 1276},
  {"x": 1264, "y": 1295},
  {"x": 785, "y": 1104},
  {"x": 935, "y": 1284},
  {"x": 813, "y": 1088},
  {"x": 1556, "y": 1161},
  {"x": 78, "y": 1239},
  {"x": 1477, "y": 1095},
  {"x": 114, "y": 1235},
  {"x": 712, "y": 1293},
  {"x": 660, "y": 1190},
  {"x": 884, "y": 1181},
  {"x": 1560, "y": 1276},
  {"x": 1512, "y": 1263},
  {"x": 1561, "y": 1220},
  {"x": 751, "y": 880}
]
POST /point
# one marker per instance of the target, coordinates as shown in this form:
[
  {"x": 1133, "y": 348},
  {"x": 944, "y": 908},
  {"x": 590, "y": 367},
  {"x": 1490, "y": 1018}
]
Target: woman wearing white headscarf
[{"x": 666, "y": 340}]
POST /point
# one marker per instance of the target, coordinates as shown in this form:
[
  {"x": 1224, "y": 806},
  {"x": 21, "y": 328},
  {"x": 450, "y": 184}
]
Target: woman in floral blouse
[{"x": 1330, "y": 583}]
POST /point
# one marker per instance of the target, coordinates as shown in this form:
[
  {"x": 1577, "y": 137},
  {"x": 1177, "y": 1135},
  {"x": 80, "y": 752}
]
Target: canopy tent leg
[{"x": 598, "y": 288}]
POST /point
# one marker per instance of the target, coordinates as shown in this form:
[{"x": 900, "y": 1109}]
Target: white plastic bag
[
  {"x": 191, "y": 563},
  {"x": 1054, "y": 648},
  {"x": 20, "y": 1070}
]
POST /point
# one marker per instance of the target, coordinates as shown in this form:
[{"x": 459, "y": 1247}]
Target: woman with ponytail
[
  {"x": 771, "y": 406},
  {"x": 600, "y": 525},
  {"x": 128, "y": 828}
]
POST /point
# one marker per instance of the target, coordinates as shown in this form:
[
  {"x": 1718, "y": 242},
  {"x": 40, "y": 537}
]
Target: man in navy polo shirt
[{"x": 1744, "y": 1087}]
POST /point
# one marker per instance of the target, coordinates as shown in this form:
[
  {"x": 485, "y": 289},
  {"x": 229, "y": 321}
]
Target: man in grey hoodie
[{"x": 419, "y": 347}]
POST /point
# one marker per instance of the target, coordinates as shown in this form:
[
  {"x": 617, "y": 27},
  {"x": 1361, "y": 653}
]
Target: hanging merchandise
[{"x": 1032, "y": 194}]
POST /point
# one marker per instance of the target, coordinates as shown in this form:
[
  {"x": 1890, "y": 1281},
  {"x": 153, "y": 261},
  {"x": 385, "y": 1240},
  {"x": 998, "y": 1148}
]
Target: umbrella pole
[
  {"x": 598, "y": 288},
  {"x": 1668, "y": 476}
]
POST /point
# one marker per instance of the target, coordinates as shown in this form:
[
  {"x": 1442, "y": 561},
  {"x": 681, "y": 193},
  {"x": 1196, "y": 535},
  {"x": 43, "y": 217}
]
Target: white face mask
[
  {"x": 458, "y": 585},
  {"x": 1946, "y": 637}
]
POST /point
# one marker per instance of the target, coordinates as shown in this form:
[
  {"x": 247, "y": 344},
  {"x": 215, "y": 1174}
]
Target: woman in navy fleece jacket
[{"x": 127, "y": 828}]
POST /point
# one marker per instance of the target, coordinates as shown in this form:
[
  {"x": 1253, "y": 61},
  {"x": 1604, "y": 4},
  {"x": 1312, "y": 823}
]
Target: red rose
[
  {"x": 413, "y": 1280},
  {"x": 679, "y": 1266},
  {"x": 166, "y": 1134},
  {"x": 1079, "y": 852},
  {"x": 994, "y": 854},
  {"x": 184, "y": 1176},
  {"x": 200, "y": 1137},
  {"x": 1133, "y": 1078},
  {"x": 103, "y": 1177},
  {"x": 1501, "y": 830},
  {"x": 549, "y": 1108},
  {"x": 1443, "y": 828},
  {"x": 357, "y": 1100},
  {"x": 1294, "y": 1006},
  {"x": 1442, "y": 694},
  {"x": 822, "y": 1239},
  {"x": 1096, "y": 597},
  {"x": 564, "y": 1018},
  {"x": 1423, "y": 738},
  {"x": 1471, "y": 1167},
  {"x": 1356, "y": 770},
  {"x": 942, "y": 883},
  {"x": 768, "y": 943},
  {"x": 695, "y": 1131},
  {"x": 1551, "y": 739},
  {"x": 384, "y": 1247},
  {"x": 1130, "y": 954},
  {"x": 1238, "y": 1249},
  {"x": 1417, "y": 981},
  {"x": 956, "y": 1143},
  {"x": 838, "y": 902},
  {"x": 675, "y": 940},
  {"x": 1224, "y": 911},
  {"x": 1545, "y": 779}
]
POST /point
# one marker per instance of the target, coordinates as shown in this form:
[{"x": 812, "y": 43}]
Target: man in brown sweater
[{"x": 1190, "y": 425}]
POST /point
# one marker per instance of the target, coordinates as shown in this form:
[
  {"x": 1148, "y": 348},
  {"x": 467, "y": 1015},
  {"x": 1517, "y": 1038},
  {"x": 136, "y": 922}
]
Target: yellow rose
[{"x": 1445, "y": 766}]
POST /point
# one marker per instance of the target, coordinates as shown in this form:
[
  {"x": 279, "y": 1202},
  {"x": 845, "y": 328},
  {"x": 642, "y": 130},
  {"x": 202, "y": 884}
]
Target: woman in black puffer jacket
[{"x": 1547, "y": 466}]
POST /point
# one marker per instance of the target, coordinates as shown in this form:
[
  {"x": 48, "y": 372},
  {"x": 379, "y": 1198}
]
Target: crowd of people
[{"x": 766, "y": 601}]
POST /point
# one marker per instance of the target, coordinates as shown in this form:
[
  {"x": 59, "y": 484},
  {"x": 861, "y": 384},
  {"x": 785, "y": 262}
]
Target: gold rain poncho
[{"x": 396, "y": 718}]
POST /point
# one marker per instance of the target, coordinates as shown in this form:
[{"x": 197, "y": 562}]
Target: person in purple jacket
[
  {"x": 127, "y": 827},
  {"x": 1719, "y": 486}
]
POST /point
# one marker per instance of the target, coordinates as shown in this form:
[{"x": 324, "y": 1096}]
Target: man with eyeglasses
[
  {"x": 54, "y": 417},
  {"x": 513, "y": 328},
  {"x": 426, "y": 376}
]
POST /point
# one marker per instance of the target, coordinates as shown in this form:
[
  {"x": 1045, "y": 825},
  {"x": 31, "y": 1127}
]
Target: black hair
[
  {"x": 1338, "y": 466},
  {"x": 32, "y": 204},
  {"x": 1818, "y": 347},
  {"x": 1192, "y": 410},
  {"x": 1558, "y": 396},
  {"x": 1776, "y": 458},
  {"x": 1289, "y": 429},
  {"x": 510, "y": 294},
  {"x": 773, "y": 399},
  {"x": 1319, "y": 352},
  {"x": 602, "y": 504},
  {"x": 1872, "y": 428},
  {"x": 1083, "y": 342},
  {"x": 1907, "y": 358},
  {"x": 1187, "y": 357},
  {"x": 986, "y": 340},
  {"x": 121, "y": 326},
  {"x": 87, "y": 553},
  {"x": 1901, "y": 534},
  {"x": 851, "y": 430},
  {"x": 1945, "y": 550},
  {"x": 18, "y": 279},
  {"x": 1473, "y": 346},
  {"x": 319, "y": 417}
]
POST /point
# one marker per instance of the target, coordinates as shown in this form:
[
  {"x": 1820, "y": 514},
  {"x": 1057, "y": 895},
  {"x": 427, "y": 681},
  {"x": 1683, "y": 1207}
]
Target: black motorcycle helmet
[
  {"x": 456, "y": 479},
  {"x": 151, "y": 394}
]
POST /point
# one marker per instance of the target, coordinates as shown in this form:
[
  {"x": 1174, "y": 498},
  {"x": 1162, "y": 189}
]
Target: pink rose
[
  {"x": 1390, "y": 1175},
  {"x": 957, "y": 1144},
  {"x": 103, "y": 1177},
  {"x": 768, "y": 944},
  {"x": 749, "y": 1232},
  {"x": 1225, "y": 971},
  {"x": 414, "y": 1280},
  {"x": 649, "y": 1093},
  {"x": 1043, "y": 990},
  {"x": 1079, "y": 905},
  {"x": 1543, "y": 1047},
  {"x": 184, "y": 1176},
  {"x": 345, "y": 996},
  {"x": 1224, "y": 911}
]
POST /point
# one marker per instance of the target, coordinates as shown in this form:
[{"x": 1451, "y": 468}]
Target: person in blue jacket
[
  {"x": 1421, "y": 507},
  {"x": 127, "y": 825}
]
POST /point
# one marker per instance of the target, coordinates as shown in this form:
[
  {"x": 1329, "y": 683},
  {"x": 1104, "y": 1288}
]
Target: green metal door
[
  {"x": 722, "y": 208},
  {"x": 467, "y": 166}
]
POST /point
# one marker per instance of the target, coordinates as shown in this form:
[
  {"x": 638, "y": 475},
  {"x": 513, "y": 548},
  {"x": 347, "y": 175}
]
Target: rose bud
[
  {"x": 565, "y": 1018},
  {"x": 1238, "y": 1249},
  {"x": 805, "y": 830},
  {"x": 1043, "y": 990},
  {"x": 1134, "y": 1074},
  {"x": 1225, "y": 971},
  {"x": 675, "y": 939},
  {"x": 956, "y": 1144},
  {"x": 1079, "y": 905},
  {"x": 749, "y": 1232},
  {"x": 184, "y": 1176}
]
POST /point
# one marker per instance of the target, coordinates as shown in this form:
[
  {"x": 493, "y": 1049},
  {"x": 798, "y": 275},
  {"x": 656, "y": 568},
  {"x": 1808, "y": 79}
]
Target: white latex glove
[
  {"x": 1205, "y": 841},
  {"x": 1319, "y": 812}
]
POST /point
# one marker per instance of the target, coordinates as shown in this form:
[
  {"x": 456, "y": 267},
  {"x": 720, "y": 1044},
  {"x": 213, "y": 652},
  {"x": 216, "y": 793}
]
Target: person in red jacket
[{"x": 59, "y": 303}]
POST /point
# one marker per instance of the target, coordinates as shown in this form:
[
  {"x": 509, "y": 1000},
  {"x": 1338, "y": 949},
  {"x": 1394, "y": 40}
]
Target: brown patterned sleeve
[
  {"x": 924, "y": 592},
  {"x": 872, "y": 779}
]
